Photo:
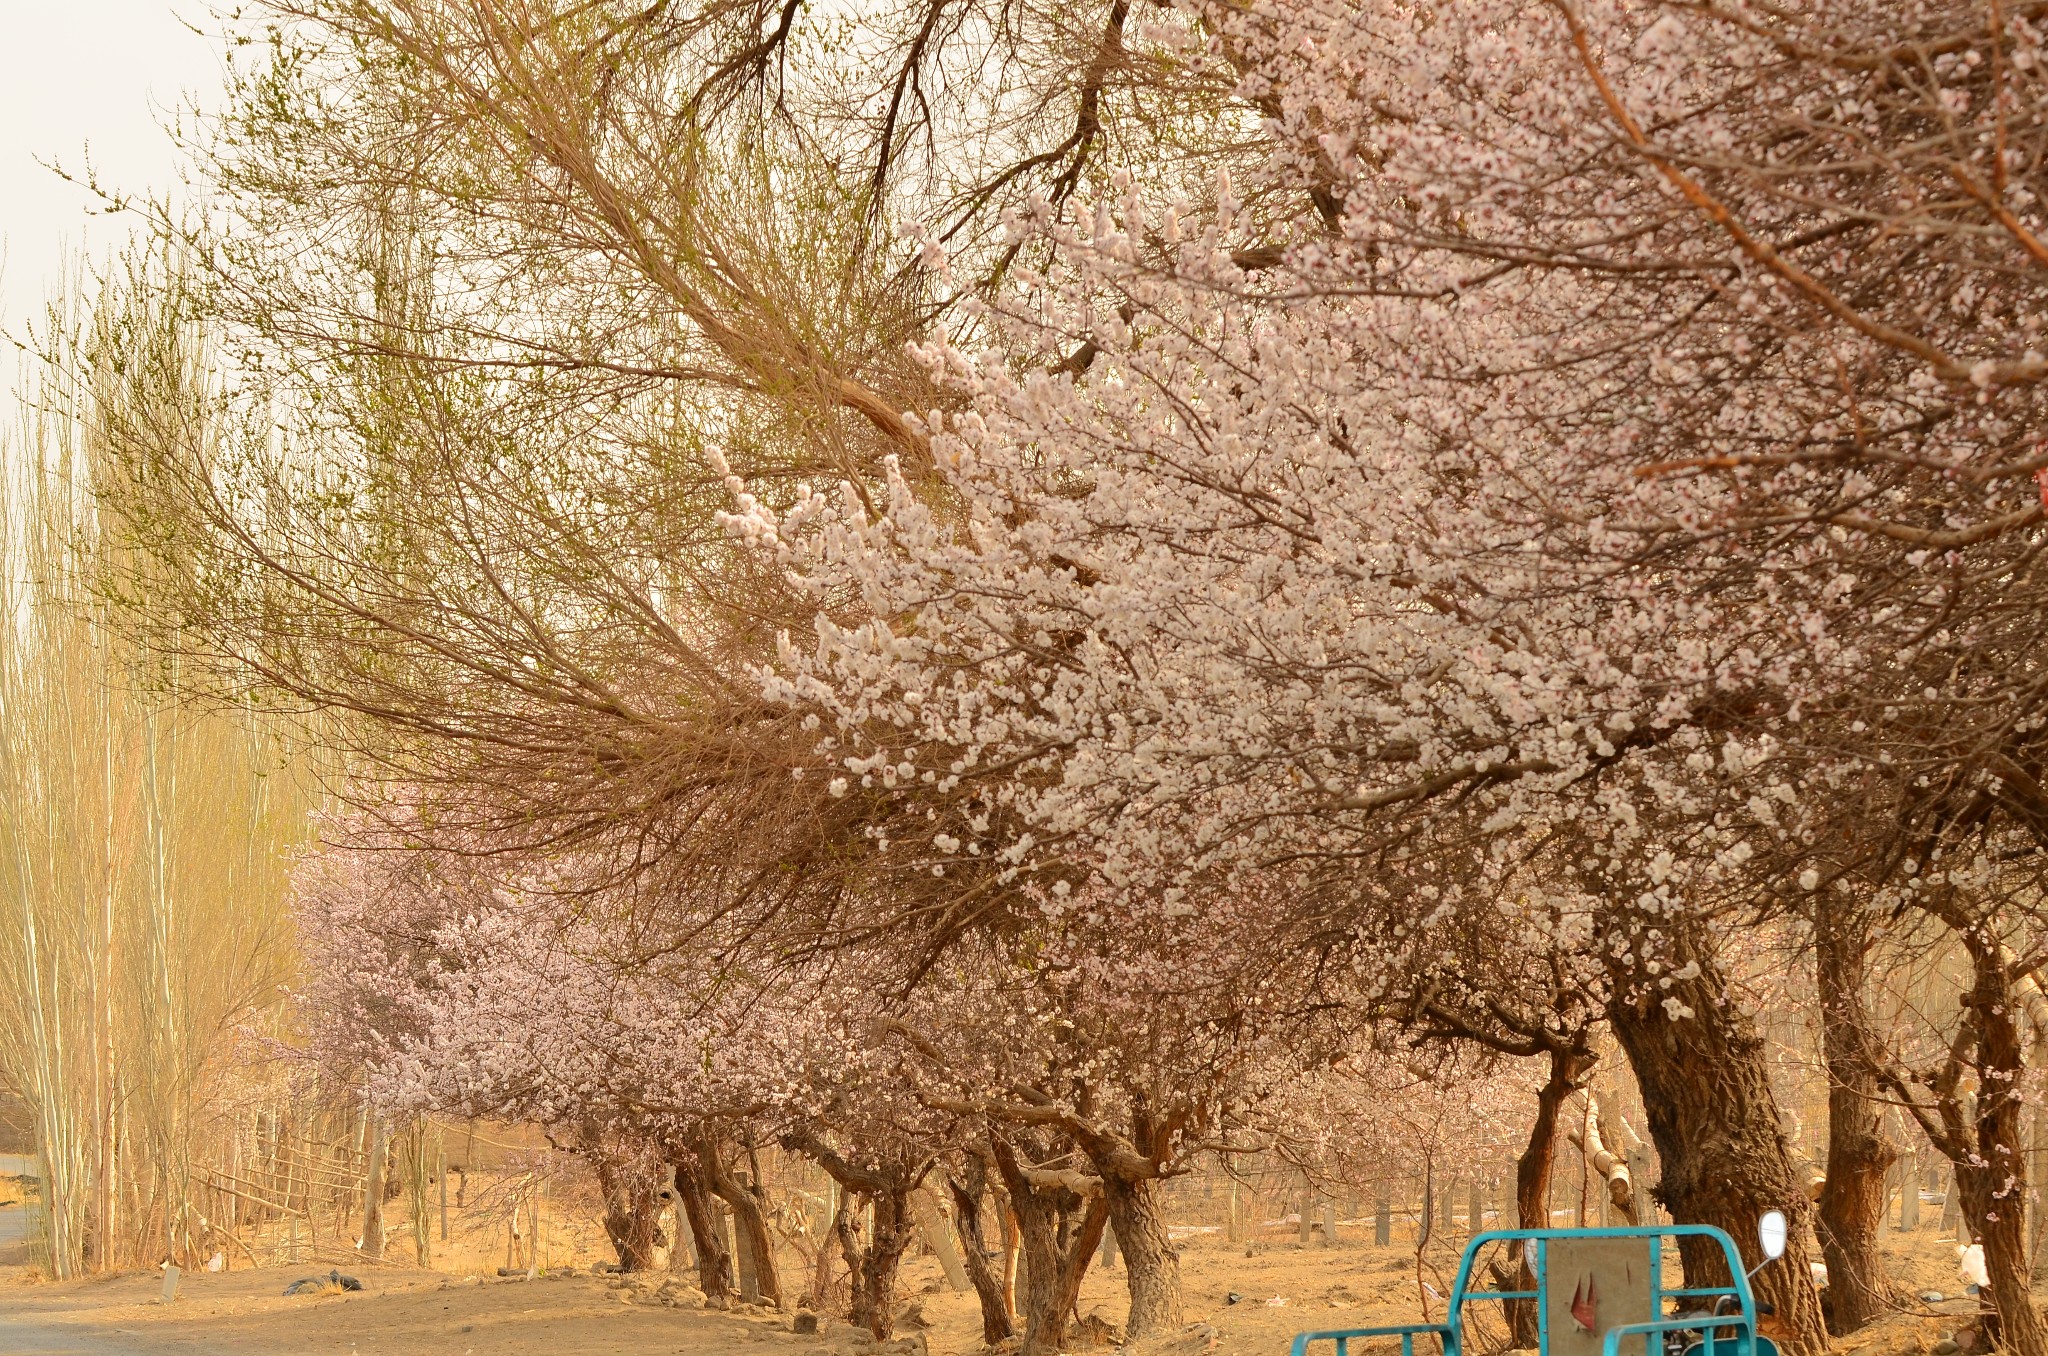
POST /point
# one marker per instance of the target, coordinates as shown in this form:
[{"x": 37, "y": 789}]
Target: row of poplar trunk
[{"x": 189, "y": 1201}]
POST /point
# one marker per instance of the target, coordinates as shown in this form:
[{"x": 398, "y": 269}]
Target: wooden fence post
[{"x": 931, "y": 1222}]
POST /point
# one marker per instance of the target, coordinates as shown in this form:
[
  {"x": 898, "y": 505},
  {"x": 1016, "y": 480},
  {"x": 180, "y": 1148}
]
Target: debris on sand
[{"x": 333, "y": 1283}]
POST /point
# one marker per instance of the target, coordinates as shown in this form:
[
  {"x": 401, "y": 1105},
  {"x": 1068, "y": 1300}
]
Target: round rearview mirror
[{"x": 1770, "y": 1231}]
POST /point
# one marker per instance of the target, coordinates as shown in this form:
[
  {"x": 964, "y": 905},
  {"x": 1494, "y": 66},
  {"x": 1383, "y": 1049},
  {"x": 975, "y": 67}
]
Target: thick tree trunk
[
  {"x": 714, "y": 1263},
  {"x": 373, "y": 1189},
  {"x": 1992, "y": 1181},
  {"x": 835, "y": 1232},
  {"x": 967, "y": 1192},
  {"x": 1058, "y": 1232},
  {"x": 2013, "y": 1321},
  {"x": 632, "y": 1214},
  {"x": 1532, "y": 1180},
  {"x": 846, "y": 1233},
  {"x": 886, "y": 1185},
  {"x": 750, "y": 1224},
  {"x": 1707, "y": 1096},
  {"x": 875, "y": 1267},
  {"x": 1151, "y": 1263},
  {"x": 1851, "y": 1214}
]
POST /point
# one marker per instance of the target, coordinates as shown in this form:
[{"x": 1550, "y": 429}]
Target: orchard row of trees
[{"x": 1032, "y": 592}]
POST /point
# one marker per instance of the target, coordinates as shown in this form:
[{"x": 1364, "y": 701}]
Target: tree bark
[
  {"x": 875, "y": 1266},
  {"x": 714, "y": 1262},
  {"x": 373, "y": 1188},
  {"x": 886, "y": 1184},
  {"x": 1008, "y": 1219},
  {"x": 1151, "y": 1263},
  {"x": 1056, "y": 1247},
  {"x": 1851, "y": 1214},
  {"x": 1707, "y": 1096},
  {"x": 632, "y": 1214},
  {"x": 750, "y": 1223},
  {"x": 2012, "y": 1321},
  {"x": 1532, "y": 1181},
  {"x": 1992, "y": 1180},
  {"x": 1616, "y": 1183},
  {"x": 967, "y": 1191},
  {"x": 835, "y": 1229}
]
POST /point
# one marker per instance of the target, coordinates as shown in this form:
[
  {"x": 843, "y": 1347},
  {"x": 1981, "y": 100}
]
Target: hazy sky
[{"x": 79, "y": 74}]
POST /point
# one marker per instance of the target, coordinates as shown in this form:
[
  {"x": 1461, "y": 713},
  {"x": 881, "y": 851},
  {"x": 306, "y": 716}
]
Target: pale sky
[{"x": 79, "y": 74}]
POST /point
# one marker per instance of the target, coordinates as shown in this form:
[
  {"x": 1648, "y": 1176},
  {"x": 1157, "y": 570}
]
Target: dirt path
[
  {"x": 1278, "y": 1291},
  {"x": 399, "y": 1313}
]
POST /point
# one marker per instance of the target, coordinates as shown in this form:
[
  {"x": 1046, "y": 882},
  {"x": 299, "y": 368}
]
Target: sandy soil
[{"x": 1282, "y": 1288}]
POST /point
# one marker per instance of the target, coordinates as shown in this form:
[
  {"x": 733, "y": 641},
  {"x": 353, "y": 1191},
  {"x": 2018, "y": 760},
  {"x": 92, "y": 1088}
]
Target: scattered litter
[
  {"x": 1970, "y": 1264},
  {"x": 1932, "y": 1297},
  {"x": 1277, "y": 1302},
  {"x": 333, "y": 1283},
  {"x": 1232, "y": 1298},
  {"x": 1095, "y": 1329}
]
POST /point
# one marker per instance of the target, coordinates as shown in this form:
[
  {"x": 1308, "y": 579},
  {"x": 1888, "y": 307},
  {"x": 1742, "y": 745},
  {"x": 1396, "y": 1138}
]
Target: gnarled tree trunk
[
  {"x": 1532, "y": 1180},
  {"x": 967, "y": 1190},
  {"x": 875, "y": 1266},
  {"x": 714, "y": 1263},
  {"x": 1707, "y": 1096},
  {"x": 1151, "y": 1263},
  {"x": 1988, "y": 1152},
  {"x": 632, "y": 1213},
  {"x": 886, "y": 1185},
  {"x": 750, "y": 1223},
  {"x": 1852, "y": 1201},
  {"x": 1060, "y": 1218},
  {"x": 1130, "y": 1168}
]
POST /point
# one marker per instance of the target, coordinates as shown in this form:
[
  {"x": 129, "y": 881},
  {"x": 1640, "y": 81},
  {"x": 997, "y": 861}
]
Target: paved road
[
  {"x": 18, "y": 1338},
  {"x": 21, "y": 1339}
]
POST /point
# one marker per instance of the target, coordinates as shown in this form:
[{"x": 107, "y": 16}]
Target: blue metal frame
[{"x": 1451, "y": 1331}]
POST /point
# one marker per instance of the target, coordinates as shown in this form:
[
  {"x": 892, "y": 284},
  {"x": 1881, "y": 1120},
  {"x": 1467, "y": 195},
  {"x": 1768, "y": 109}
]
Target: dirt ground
[{"x": 1281, "y": 1289}]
